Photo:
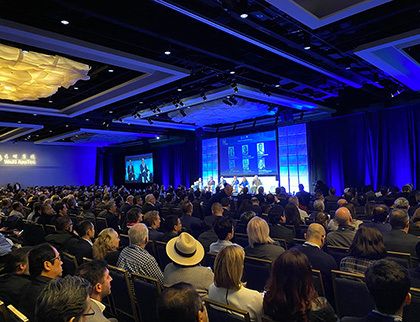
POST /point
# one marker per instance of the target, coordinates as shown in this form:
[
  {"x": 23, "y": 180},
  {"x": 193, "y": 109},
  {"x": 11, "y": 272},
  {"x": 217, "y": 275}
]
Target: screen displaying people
[{"x": 139, "y": 168}]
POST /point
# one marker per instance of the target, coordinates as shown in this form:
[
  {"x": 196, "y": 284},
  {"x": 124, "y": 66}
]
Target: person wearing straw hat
[{"x": 186, "y": 254}]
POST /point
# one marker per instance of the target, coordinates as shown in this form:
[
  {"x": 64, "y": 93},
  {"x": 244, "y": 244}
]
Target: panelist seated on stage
[
  {"x": 235, "y": 184},
  {"x": 256, "y": 182},
  {"x": 244, "y": 184}
]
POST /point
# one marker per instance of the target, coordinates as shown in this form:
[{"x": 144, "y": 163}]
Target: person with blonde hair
[
  {"x": 260, "y": 243},
  {"x": 106, "y": 246},
  {"x": 228, "y": 288}
]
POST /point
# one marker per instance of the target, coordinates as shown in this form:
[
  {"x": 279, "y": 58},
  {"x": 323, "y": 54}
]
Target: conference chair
[
  {"x": 226, "y": 313},
  {"x": 281, "y": 242},
  {"x": 50, "y": 229},
  {"x": 124, "y": 241},
  {"x": 15, "y": 315},
  {"x": 241, "y": 239},
  {"x": 209, "y": 260},
  {"x": 150, "y": 247},
  {"x": 338, "y": 253},
  {"x": 351, "y": 294},
  {"x": 318, "y": 282},
  {"x": 298, "y": 241},
  {"x": 412, "y": 311},
  {"x": 256, "y": 272},
  {"x": 404, "y": 259},
  {"x": 100, "y": 224},
  {"x": 146, "y": 294},
  {"x": 162, "y": 257},
  {"x": 69, "y": 263},
  {"x": 33, "y": 234},
  {"x": 122, "y": 300},
  {"x": 292, "y": 228},
  {"x": 3, "y": 312}
]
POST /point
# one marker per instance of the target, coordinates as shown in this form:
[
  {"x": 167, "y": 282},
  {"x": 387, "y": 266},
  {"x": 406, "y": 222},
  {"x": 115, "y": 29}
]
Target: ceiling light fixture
[
  {"x": 244, "y": 15},
  {"x": 50, "y": 101},
  {"x": 150, "y": 121},
  {"x": 277, "y": 85},
  {"x": 182, "y": 112},
  {"x": 232, "y": 72},
  {"x": 158, "y": 138},
  {"x": 110, "y": 70},
  {"x": 110, "y": 112},
  {"x": 76, "y": 88},
  {"x": 64, "y": 22},
  {"x": 87, "y": 120},
  {"x": 203, "y": 96},
  {"x": 179, "y": 89},
  {"x": 167, "y": 53}
]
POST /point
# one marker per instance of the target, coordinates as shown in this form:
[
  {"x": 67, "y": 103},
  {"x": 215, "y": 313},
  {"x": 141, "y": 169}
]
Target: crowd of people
[{"x": 192, "y": 223}]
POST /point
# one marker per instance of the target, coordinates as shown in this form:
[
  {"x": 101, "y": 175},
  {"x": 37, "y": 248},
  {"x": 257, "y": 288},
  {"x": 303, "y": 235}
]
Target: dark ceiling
[{"x": 216, "y": 59}]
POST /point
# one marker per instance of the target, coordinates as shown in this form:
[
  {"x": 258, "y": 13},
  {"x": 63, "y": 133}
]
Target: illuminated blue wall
[{"x": 209, "y": 148}]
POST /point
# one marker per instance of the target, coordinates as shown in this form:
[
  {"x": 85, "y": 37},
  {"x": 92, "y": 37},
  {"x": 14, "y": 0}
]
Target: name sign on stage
[{"x": 7, "y": 159}]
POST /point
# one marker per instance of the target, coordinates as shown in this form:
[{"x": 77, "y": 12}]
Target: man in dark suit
[
  {"x": 398, "y": 239},
  {"x": 149, "y": 204},
  {"x": 98, "y": 276},
  {"x": 83, "y": 247},
  {"x": 130, "y": 171},
  {"x": 276, "y": 218},
  {"x": 226, "y": 192},
  {"x": 144, "y": 172},
  {"x": 111, "y": 215},
  {"x": 190, "y": 223},
  {"x": 380, "y": 215},
  {"x": 389, "y": 286}
]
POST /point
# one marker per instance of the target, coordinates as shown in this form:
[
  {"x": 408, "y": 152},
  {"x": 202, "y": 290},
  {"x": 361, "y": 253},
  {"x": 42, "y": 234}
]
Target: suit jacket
[
  {"x": 61, "y": 240},
  {"x": 30, "y": 295},
  {"x": 281, "y": 232},
  {"x": 148, "y": 207},
  {"x": 12, "y": 286},
  {"x": 81, "y": 249},
  {"x": 155, "y": 234},
  {"x": 264, "y": 251},
  {"x": 371, "y": 317},
  {"x": 192, "y": 224},
  {"x": 98, "y": 316},
  {"x": 318, "y": 258},
  {"x": 398, "y": 241},
  {"x": 342, "y": 237}
]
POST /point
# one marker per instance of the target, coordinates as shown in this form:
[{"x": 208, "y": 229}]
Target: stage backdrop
[{"x": 378, "y": 148}]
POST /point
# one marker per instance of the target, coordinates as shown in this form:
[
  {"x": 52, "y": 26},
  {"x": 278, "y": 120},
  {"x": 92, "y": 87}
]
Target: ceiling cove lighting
[
  {"x": 31, "y": 75},
  {"x": 259, "y": 44}
]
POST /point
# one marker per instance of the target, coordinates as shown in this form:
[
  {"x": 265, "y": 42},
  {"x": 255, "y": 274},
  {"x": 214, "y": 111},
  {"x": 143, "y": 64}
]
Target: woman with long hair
[
  {"x": 106, "y": 246},
  {"x": 291, "y": 295},
  {"x": 228, "y": 288},
  {"x": 366, "y": 248}
]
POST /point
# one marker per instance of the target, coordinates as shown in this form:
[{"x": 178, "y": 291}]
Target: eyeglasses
[{"x": 53, "y": 259}]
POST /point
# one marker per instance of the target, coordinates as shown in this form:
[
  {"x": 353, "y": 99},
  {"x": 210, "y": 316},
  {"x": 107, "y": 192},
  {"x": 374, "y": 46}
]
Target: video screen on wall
[
  {"x": 248, "y": 154},
  {"x": 139, "y": 168}
]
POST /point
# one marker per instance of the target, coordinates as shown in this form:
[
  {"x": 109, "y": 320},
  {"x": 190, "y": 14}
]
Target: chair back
[
  {"x": 209, "y": 260},
  {"x": 100, "y": 224},
  {"x": 318, "y": 282},
  {"x": 241, "y": 239},
  {"x": 226, "y": 313},
  {"x": 338, "y": 253},
  {"x": 412, "y": 311},
  {"x": 281, "y": 242},
  {"x": 256, "y": 272},
  {"x": 121, "y": 287},
  {"x": 33, "y": 234},
  {"x": 50, "y": 229},
  {"x": 150, "y": 247},
  {"x": 146, "y": 292},
  {"x": 15, "y": 315},
  {"x": 404, "y": 259},
  {"x": 69, "y": 263},
  {"x": 3, "y": 312},
  {"x": 351, "y": 295},
  {"x": 124, "y": 241},
  {"x": 299, "y": 241},
  {"x": 162, "y": 257}
]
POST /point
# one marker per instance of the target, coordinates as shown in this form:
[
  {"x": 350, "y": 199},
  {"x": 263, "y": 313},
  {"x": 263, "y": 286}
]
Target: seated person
[
  {"x": 186, "y": 254},
  {"x": 173, "y": 228},
  {"x": 152, "y": 221},
  {"x": 83, "y": 247},
  {"x": 225, "y": 232},
  {"x": 192, "y": 224},
  {"x": 415, "y": 272},
  {"x": 276, "y": 219},
  {"x": 343, "y": 236},
  {"x": 106, "y": 246},
  {"x": 380, "y": 215},
  {"x": 64, "y": 237}
]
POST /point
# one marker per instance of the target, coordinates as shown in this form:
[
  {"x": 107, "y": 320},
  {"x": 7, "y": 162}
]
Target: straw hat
[{"x": 185, "y": 250}]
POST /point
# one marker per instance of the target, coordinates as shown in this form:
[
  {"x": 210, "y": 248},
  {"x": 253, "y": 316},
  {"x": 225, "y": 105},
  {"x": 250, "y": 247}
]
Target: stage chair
[
  {"x": 15, "y": 315},
  {"x": 351, "y": 294},
  {"x": 256, "y": 272},
  {"x": 318, "y": 282},
  {"x": 412, "y": 311},
  {"x": 162, "y": 257},
  {"x": 338, "y": 253},
  {"x": 241, "y": 239},
  {"x": 100, "y": 224},
  {"x": 124, "y": 241},
  {"x": 146, "y": 294},
  {"x": 226, "y": 313},
  {"x": 404, "y": 259},
  {"x": 123, "y": 307},
  {"x": 69, "y": 263},
  {"x": 50, "y": 229}
]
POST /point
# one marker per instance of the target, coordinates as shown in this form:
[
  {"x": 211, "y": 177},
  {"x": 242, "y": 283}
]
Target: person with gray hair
[
  {"x": 401, "y": 203},
  {"x": 149, "y": 204},
  {"x": 135, "y": 259},
  {"x": 398, "y": 239},
  {"x": 318, "y": 207}
]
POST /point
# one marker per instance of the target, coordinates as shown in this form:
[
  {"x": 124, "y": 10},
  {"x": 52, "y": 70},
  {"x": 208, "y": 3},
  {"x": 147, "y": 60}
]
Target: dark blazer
[
  {"x": 112, "y": 257},
  {"x": 207, "y": 238},
  {"x": 148, "y": 207},
  {"x": 264, "y": 251},
  {"x": 398, "y": 241},
  {"x": 111, "y": 220},
  {"x": 61, "y": 240},
  {"x": 318, "y": 258},
  {"x": 415, "y": 277},
  {"x": 12, "y": 286},
  {"x": 30, "y": 294},
  {"x": 371, "y": 317},
  {"x": 382, "y": 227},
  {"x": 155, "y": 234},
  {"x": 281, "y": 232},
  {"x": 81, "y": 249},
  {"x": 192, "y": 224}
]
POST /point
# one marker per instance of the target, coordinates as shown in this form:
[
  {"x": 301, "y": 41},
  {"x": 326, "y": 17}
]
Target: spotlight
[
  {"x": 232, "y": 72},
  {"x": 182, "y": 112},
  {"x": 227, "y": 102},
  {"x": 150, "y": 121},
  {"x": 19, "y": 122},
  {"x": 110, "y": 112},
  {"x": 65, "y": 22},
  {"x": 76, "y": 88},
  {"x": 34, "y": 114},
  {"x": 67, "y": 125},
  {"x": 234, "y": 87},
  {"x": 179, "y": 89},
  {"x": 103, "y": 123},
  {"x": 398, "y": 92},
  {"x": 167, "y": 53},
  {"x": 87, "y": 120},
  {"x": 244, "y": 15},
  {"x": 307, "y": 42},
  {"x": 203, "y": 96},
  {"x": 175, "y": 103},
  {"x": 277, "y": 85},
  {"x": 158, "y": 138},
  {"x": 181, "y": 103},
  {"x": 233, "y": 100},
  {"x": 50, "y": 101},
  {"x": 307, "y": 47},
  {"x": 110, "y": 70},
  {"x": 156, "y": 110}
]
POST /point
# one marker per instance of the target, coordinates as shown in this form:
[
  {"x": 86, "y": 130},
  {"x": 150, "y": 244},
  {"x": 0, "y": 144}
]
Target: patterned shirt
[
  {"x": 135, "y": 259},
  {"x": 355, "y": 265}
]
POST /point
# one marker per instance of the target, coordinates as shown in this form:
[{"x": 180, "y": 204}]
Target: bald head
[
  {"x": 343, "y": 216},
  {"x": 315, "y": 234},
  {"x": 341, "y": 202}
]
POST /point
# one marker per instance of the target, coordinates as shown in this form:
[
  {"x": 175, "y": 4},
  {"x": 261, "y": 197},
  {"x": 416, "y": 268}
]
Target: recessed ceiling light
[
  {"x": 19, "y": 122},
  {"x": 244, "y": 15},
  {"x": 348, "y": 67},
  {"x": 50, "y": 101},
  {"x": 179, "y": 89},
  {"x": 67, "y": 125},
  {"x": 158, "y": 138},
  {"x": 87, "y": 120},
  {"x": 110, "y": 112},
  {"x": 76, "y": 88},
  {"x": 65, "y": 22},
  {"x": 34, "y": 114},
  {"x": 277, "y": 85},
  {"x": 232, "y": 72},
  {"x": 141, "y": 102},
  {"x": 307, "y": 47},
  {"x": 167, "y": 52},
  {"x": 110, "y": 70},
  {"x": 50, "y": 131}
]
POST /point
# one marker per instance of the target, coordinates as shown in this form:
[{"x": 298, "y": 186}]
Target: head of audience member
[
  {"x": 316, "y": 234},
  {"x": 292, "y": 214},
  {"x": 64, "y": 224},
  {"x": 228, "y": 189},
  {"x": 416, "y": 218},
  {"x": 352, "y": 209},
  {"x": 61, "y": 208},
  {"x": 343, "y": 216},
  {"x": 260, "y": 190},
  {"x": 173, "y": 224},
  {"x": 407, "y": 188},
  {"x": 134, "y": 216},
  {"x": 86, "y": 230},
  {"x": 44, "y": 260},
  {"x": 17, "y": 261},
  {"x": 225, "y": 202},
  {"x": 399, "y": 220},
  {"x": 294, "y": 200},
  {"x": 47, "y": 209},
  {"x": 255, "y": 201},
  {"x": 389, "y": 285},
  {"x": 152, "y": 219},
  {"x": 97, "y": 274},
  {"x": 401, "y": 203},
  {"x": 276, "y": 215},
  {"x": 223, "y": 227},
  {"x": 150, "y": 198},
  {"x": 130, "y": 200},
  {"x": 229, "y": 267},
  {"x": 319, "y": 206},
  {"x": 107, "y": 241},
  {"x": 111, "y": 207},
  {"x": 217, "y": 209},
  {"x": 245, "y": 190},
  {"x": 331, "y": 191},
  {"x": 17, "y": 206},
  {"x": 380, "y": 213},
  {"x": 290, "y": 290},
  {"x": 368, "y": 243},
  {"x": 341, "y": 203},
  {"x": 63, "y": 300},
  {"x": 181, "y": 303},
  {"x": 187, "y": 208},
  {"x": 258, "y": 232},
  {"x": 138, "y": 235},
  {"x": 185, "y": 250},
  {"x": 322, "y": 219},
  {"x": 301, "y": 187}
]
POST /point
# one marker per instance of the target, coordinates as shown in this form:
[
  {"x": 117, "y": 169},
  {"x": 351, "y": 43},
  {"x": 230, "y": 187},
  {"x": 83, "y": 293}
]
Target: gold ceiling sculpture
[{"x": 28, "y": 75}]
